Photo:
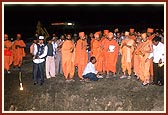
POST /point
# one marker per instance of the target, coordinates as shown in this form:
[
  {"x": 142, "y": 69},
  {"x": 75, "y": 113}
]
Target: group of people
[
  {"x": 100, "y": 55},
  {"x": 13, "y": 52}
]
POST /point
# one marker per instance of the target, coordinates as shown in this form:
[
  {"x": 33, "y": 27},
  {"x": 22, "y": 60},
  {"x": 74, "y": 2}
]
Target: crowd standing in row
[{"x": 99, "y": 55}]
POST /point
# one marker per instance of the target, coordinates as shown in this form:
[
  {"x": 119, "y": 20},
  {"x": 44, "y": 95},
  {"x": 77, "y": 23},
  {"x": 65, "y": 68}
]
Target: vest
[
  {"x": 50, "y": 50},
  {"x": 40, "y": 49}
]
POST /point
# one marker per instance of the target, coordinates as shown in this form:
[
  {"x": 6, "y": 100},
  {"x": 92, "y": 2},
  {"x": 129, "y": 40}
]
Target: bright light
[
  {"x": 70, "y": 24},
  {"x": 63, "y": 23},
  {"x": 21, "y": 86}
]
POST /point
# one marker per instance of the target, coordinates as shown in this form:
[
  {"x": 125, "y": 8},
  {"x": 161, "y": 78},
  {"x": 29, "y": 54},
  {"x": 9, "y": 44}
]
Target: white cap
[{"x": 41, "y": 37}]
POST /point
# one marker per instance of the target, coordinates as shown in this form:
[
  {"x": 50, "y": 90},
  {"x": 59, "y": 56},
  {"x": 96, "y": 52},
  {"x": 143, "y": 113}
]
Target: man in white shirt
[
  {"x": 40, "y": 52},
  {"x": 89, "y": 71},
  {"x": 158, "y": 61},
  {"x": 50, "y": 62}
]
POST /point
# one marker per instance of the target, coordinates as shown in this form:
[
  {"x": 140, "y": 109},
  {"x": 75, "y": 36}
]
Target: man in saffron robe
[
  {"x": 103, "y": 39},
  {"x": 68, "y": 59},
  {"x": 146, "y": 49},
  {"x": 137, "y": 58},
  {"x": 111, "y": 54},
  {"x": 150, "y": 36},
  {"x": 7, "y": 53},
  {"x": 97, "y": 52},
  {"x": 18, "y": 51},
  {"x": 81, "y": 55},
  {"x": 126, "y": 49},
  {"x": 132, "y": 36}
]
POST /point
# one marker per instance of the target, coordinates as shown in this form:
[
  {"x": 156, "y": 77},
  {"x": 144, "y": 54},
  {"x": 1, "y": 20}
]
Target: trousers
[
  {"x": 38, "y": 72},
  {"x": 91, "y": 76}
]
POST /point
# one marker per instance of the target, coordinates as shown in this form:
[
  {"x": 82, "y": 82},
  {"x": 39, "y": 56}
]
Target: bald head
[{"x": 126, "y": 33}]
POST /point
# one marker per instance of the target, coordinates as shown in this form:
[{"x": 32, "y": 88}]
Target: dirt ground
[{"x": 113, "y": 94}]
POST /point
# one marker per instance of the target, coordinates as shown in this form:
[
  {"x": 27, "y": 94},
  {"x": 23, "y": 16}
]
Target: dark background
[{"x": 23, "y": 18}]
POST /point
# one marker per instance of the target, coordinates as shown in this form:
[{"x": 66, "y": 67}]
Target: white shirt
[
  {"x": 158, "y": 52},
  {"x": 59, "y": 43},
  {"x": 89, "y": 69},
  {"x": 41, "y": 56},
  {"x": 54, "y": 48}
]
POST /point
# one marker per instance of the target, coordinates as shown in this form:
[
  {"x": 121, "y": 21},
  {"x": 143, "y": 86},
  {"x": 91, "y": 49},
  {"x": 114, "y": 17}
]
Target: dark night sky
[{"x": 23, "y": 18}]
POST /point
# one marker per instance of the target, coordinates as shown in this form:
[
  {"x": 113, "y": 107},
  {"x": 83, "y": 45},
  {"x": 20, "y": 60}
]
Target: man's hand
[
  {"x": 128, "y": 46},
  {"x": 160, "y": 61}
]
